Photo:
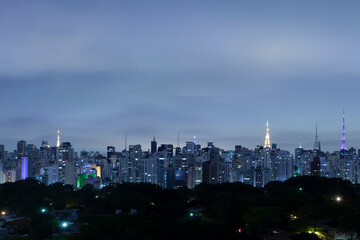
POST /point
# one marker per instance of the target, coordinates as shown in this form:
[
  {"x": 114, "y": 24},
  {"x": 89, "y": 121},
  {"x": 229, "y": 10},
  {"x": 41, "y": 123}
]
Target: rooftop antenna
[
  {"x": 317, "y": 143},
  {"x": 178, "y": 139},
  {"x": 343, "y": 142},
  {"x": 125, "y": 140}
]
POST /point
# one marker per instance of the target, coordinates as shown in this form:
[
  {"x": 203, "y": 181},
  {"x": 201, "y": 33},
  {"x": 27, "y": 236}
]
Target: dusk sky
[{"x": 214, "y": 69}]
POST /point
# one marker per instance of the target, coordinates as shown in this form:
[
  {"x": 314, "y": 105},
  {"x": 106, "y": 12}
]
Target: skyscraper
[
  {"x": 153, "y": 145},
  {"x": 24, "y": 168},
  {"x": 267, "y": 136},
  {"x": 110, "y": 151},
  {"x": 21, "y": 149}
]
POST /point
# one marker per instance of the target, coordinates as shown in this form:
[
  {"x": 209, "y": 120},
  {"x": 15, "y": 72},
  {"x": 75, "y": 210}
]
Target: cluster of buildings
[{"x": 172, "y": 167}]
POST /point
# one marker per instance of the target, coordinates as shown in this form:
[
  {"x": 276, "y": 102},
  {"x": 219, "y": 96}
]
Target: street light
[{"x": 64, "y": 224}]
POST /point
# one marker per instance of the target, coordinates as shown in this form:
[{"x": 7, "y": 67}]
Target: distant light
[
  {"x": 338, "y": 198},
  {"x": 43, "y": 210},
  {"x": 64, "y": 224},
  {"x": 300, "y": 189},
  {"x": 191, "y": 214},
  {"x": 3, "y": 213},
  {"x": 239, "y": 230}
]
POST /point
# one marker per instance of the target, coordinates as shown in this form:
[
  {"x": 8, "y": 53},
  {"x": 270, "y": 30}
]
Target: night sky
[{"x": 214, "y": 69}]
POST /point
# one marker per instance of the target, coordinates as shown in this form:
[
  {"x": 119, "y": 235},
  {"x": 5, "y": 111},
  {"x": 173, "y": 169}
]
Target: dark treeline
[{"x": 227, "y": 211}]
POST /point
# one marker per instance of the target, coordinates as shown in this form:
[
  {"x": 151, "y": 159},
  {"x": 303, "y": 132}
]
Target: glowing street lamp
[{"x": 64, "y": 224}]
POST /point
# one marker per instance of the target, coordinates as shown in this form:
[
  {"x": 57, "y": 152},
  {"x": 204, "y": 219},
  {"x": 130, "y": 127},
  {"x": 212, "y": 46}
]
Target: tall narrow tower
[
  {"x": 267, "y": 136},
  {"x": 317, "y": 143},
  {"x": 343, "y": 144},
  {"x": 125, "y": 141},
  {"x": 58, "y": 139}
]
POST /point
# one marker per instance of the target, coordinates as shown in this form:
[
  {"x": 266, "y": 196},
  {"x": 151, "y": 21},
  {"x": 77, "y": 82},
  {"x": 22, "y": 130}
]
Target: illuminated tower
[
  {"x": 343, "y": 144},
  {"x": 58, "y": 139},
  {"x": 24, "y": 168},
  {"x": 267, "y": 136}
]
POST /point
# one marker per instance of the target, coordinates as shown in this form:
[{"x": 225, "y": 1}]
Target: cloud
[{"x": 218, "y": 71}]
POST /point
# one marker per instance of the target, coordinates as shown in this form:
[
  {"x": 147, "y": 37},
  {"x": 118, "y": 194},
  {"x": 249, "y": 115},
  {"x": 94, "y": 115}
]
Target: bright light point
[
  {"x": 64, "y": 224},
  {"x": 338, "y": 199},
  {"x": 43, "y": 210},
  {"x": 3, "y": 213},
  {"x": 300, "y": 189},
  {"x": 191, "y": 214}
]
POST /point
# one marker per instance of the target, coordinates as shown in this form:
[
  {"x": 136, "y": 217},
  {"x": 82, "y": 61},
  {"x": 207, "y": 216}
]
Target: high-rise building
[
  {"x": 21, "y": 149},
  {"x": 110, "y": 151},
  {"x": 148, "y": 169},
  {"x": 298, "y": 163},
  {"x": 2, "y": 153},
  {"x": 315, "y": 166},
  {"x": 70, "y": 173},
  {"x": 168, "y": 149},
  {"x": 24, "y": 168},
  {"x": 53, "y": 174},
  {"x": 33, "y": 155},
  {"x": 136, "y": 154},
  {"x": 190, "y": 147},
  {"x": 211, "y": 168},
  {"x": 65, "y": 153},
  {"x": 153, "y": 146}
]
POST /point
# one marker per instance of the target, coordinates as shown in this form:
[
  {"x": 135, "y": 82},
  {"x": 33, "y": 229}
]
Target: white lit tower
[
  {"x": 58, "y": 139},
  {"x": 267, "y": 136}
]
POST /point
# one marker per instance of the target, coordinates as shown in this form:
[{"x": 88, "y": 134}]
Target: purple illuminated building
[{"x": 24, "y": 167}]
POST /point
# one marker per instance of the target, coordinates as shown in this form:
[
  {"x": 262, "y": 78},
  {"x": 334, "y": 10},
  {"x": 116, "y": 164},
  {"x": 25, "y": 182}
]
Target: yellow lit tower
[
  {"x": 58, "y": 139},
  {"x": 267, "y": 136}
]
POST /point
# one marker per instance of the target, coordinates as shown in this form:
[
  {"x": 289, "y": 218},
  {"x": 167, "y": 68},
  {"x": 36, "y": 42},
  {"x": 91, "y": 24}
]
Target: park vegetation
[{"x": 304, "y": 207}]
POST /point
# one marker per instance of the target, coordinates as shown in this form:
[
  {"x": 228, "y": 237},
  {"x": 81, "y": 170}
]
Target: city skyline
[
  {"x": 216, "y": 71},
  {"x": 181, "y": 119},
  {"x": 181, "y": 143}
]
